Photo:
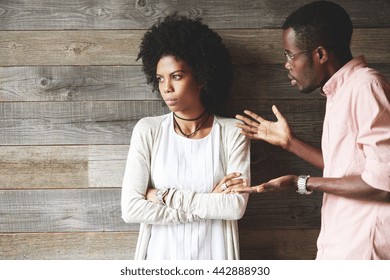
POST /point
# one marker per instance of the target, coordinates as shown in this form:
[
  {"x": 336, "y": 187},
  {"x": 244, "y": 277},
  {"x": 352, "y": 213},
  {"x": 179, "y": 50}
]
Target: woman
[{"x": 181, "y": 166}]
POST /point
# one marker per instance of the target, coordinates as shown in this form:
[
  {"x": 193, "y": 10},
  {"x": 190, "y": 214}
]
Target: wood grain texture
[
  {"x": 120, "y": 47},
  {"x": 71, "y": 92},
  {"x": 72, "y": 123},
  {"x": 62, "y": 210},
  {"x": 254, "y": 244},
  {"x": 68, "y": 246},
  {"x": 140, "y": 14},
  {"x": 81, "y": 47},
  {"x": 74, "y": 83},
  {"x": 45, "y": 167},
  {"x": 278, "y": 244},
  {"x": 282, "y": 210}
]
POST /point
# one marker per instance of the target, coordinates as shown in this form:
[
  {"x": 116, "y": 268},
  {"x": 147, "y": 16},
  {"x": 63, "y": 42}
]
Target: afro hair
[{"x": 201, "y": 48}]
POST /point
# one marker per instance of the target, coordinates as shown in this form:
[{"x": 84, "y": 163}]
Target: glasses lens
[{"x": 288, "y": 56}]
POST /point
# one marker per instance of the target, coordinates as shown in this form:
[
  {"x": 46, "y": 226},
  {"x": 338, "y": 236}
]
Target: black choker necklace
[
  {"x": 197, "y": 118},
  {"x": 196, "y": 129}
]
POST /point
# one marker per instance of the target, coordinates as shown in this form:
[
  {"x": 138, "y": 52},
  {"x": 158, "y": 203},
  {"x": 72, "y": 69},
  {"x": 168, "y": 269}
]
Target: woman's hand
[
  {"x": 229, "y": 182},
  {"x": 255, "y": 127},
  {"x": 151, "y": 195}
]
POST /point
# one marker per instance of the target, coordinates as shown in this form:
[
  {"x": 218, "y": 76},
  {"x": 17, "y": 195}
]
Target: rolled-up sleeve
[{"x": 374, "y": 134}]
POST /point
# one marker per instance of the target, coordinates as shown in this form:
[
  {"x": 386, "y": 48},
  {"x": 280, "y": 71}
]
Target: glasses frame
[{"x": 291, "y": 56}]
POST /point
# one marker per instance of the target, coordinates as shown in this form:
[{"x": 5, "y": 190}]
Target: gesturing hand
[
  {"x": 255, "y": 127},
  {"x": 274, "y": 185}
]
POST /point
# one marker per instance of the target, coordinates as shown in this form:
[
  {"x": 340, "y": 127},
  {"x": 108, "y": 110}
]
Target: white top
[
  {"x": 187, "y": 164},
  {"x": 182, "y": 206}
]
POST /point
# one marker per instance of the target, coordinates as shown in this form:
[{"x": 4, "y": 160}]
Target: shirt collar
[{"x": 344, "y": 73}]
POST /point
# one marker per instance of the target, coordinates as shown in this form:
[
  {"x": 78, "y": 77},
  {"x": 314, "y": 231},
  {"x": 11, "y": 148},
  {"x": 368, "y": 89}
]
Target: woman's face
[{"x": 178, "y": 86}]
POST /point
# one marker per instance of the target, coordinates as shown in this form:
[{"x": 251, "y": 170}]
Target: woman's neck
[{"x": 193, "y": 126}]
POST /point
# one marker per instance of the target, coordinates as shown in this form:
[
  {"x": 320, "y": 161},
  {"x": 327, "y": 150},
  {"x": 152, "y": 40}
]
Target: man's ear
[{"x": 322, "y": 54}]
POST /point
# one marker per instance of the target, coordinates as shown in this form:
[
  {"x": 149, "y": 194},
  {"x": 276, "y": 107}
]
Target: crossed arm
[{"x": 138, "y": 198}]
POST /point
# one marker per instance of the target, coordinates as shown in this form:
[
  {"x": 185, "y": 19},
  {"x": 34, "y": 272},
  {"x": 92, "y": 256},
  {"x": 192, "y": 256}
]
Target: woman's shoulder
[
  {"x": 151, "y": 122},
  {"x": 227, "y": 123},
  {"x": 148, "y": 127}
]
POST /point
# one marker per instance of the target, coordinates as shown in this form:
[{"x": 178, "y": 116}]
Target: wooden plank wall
[{"x": 71, "y": 92}]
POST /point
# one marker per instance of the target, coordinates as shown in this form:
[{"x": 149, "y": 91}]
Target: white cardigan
[{"x": 182, "y": 206}]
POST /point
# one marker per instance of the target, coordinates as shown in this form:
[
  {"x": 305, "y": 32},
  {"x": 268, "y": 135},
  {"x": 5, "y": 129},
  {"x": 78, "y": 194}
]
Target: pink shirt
[{"x": 356, "y": 141}]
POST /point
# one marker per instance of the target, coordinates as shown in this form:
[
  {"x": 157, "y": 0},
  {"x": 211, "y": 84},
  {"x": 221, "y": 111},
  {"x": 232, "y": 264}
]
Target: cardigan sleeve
[
  {"x": 217, "y": 205},
  {"x": 135, "y": 208}
]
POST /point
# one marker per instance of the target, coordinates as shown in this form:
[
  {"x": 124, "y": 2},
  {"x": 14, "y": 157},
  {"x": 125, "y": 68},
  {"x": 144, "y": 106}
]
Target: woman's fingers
[
  {"x": 223, "y": 185},
  {"x": 236, "y": 184}
]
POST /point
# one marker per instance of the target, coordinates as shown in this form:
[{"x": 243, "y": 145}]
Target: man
[{"x": 355, "y": 155}]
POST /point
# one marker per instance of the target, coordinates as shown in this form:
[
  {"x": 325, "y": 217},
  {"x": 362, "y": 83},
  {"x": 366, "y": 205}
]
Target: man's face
[{"x": 303, "y": 70}]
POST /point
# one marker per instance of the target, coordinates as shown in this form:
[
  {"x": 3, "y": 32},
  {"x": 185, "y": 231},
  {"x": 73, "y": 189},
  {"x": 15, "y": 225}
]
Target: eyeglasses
[{"x": 290, "y": 56}]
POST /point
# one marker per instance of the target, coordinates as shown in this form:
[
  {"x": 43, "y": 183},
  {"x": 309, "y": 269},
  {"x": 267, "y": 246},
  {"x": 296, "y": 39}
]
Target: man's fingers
[
  {"x": 277, "y": 113},
  {"x": 250, "y": 135},
  {"x": 254, "y": 116},
  {"x": 260, "y": 188},
  {"x": 247, "y": 120},
  {"x": 247, "y": 128}
]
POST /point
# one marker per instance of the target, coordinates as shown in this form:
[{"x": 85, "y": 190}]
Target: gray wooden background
[{"x": 71, "y": 92}]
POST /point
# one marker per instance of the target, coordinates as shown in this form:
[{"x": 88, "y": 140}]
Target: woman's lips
[{"x": 171, "y": 101}]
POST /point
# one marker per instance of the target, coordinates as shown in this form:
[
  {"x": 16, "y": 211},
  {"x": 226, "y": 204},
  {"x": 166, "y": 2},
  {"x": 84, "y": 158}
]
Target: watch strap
[{"x": 302, "y": 185}]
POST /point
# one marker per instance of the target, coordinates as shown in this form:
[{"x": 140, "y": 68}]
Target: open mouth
[{"x": 293, "y": 81}]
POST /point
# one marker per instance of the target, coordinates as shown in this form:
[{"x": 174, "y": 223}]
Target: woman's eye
[
  {"x": 176, "y": 77},
  {"x": 159, "y": 79}
]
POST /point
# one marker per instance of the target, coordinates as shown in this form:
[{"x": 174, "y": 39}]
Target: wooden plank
[
  {"x": 282, "y": 210},
  {"x": 278, "y": 244},
  {"x": 264, "y": 46},
  {"x": 79, "y": 210},
  {"x": 120, "y": 47},
  {"x": 30, "y": 167},
  {"x": 68, "y": 246},
  {"x": 69, "y": 210},
  {"x": 130, "y": 14},
  {"x": 111, "y": 122},
  {"x": 81, "y": 47},
  {"x": 269, "y": 162},
  {"x": 72, "y": 123},
  {"x": 254, "y": 245},
  {"x": 87, "y": 83},
  {"x": 74, "y": 83}
]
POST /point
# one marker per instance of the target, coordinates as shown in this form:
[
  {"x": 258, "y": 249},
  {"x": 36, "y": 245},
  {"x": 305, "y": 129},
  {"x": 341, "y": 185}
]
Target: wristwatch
[
  {"x": 160, "y": 195},
  {"x": 302, "y": 185}
]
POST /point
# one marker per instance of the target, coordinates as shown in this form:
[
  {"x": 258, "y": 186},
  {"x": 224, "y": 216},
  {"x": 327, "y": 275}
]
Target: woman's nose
[{"x": 167, "y": 87}]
